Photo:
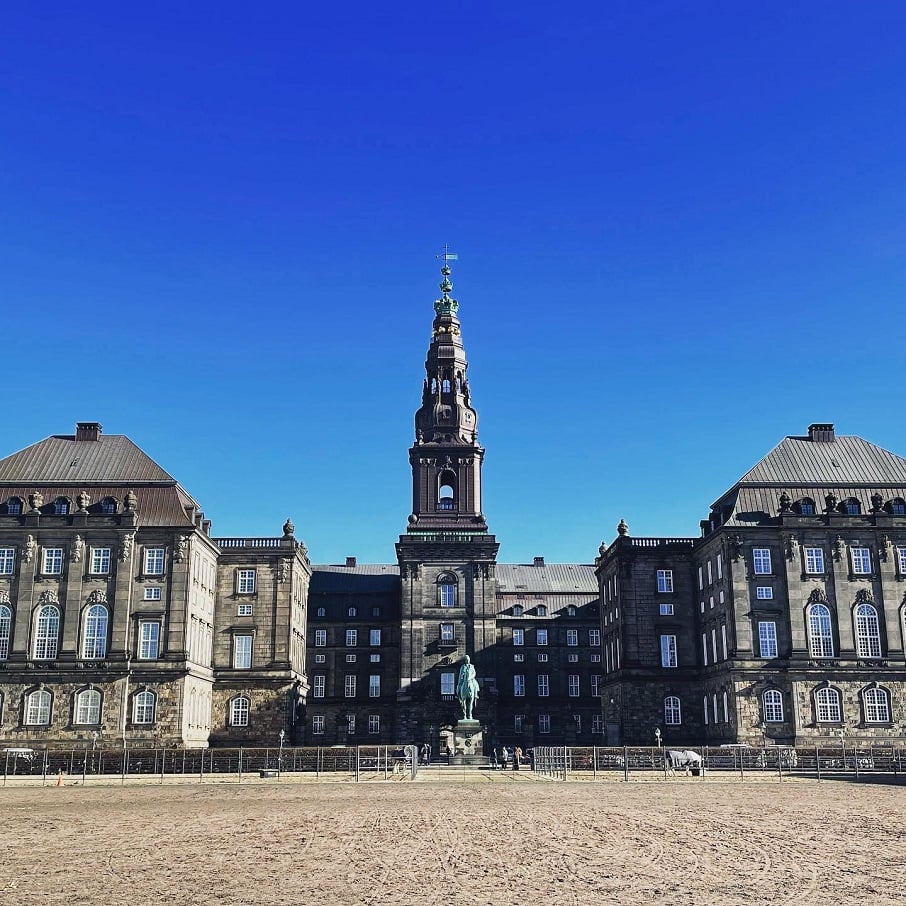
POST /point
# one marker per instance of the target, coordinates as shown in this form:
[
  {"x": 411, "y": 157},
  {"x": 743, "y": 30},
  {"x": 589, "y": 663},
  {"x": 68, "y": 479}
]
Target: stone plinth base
[{"x": 467, "y": 738}]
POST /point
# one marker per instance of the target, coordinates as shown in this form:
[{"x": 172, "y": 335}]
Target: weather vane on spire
[{"x": 445, "y": 304}]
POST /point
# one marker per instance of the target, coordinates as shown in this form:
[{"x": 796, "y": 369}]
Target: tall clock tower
[{"x": 447, "y": 556}]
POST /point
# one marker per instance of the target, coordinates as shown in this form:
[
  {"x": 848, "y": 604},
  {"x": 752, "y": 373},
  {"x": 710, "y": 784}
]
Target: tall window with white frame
[
  {"x": 239, "y": 711},
  {"x": 519, "y": 685},
  {"x": 245, "y": 581},
  {"x": 154, "y": 561},
  {"x": 814, "y": 560},
  {"x": 317, "y": 725},
  {"x": 772, "y": 703},
  {"x": 761, "y": 561},
  {"x": 572, "y": 637},
  {"x": 544, "y": 723},
  {"x": 318, "y": 684},
  {"x": 94, "y": 633},
  {"x": 877, "y": 705},
  {"x": 143, "y": 707},
  {"x": 320, "y": 638},
  {"x": 352, "y": 638},
  {"x": 447, "y": 685},
  {"x": 573, "y": 685},
  {"x": 901, "y": 557},
  {"x": 861, "y": 560},
  {"x": 868, "y": 631},
  {"x": 827, "y": 706},
  {"x": 544, "y": 685},
  {"x": 38, "y": 707},
  {"x": 53, "y": 561},
  {"x": 541, "y": 637},
  {"x": 88, "y": 707},
  {"x": 374, "y": 724},
  {"x": 374, "y": 637},
  {"x": 820, "y": 631},
  {"x": 47, "y": 633},
  {"x": 767, "y": 638},
  {"x": 6, "y": 623},
  {"x": 148, "y": 640},
  {"x": 673, "y": 715},
  {"x": 7, "y": 561},
  {"x": 242, "y": 651},
  {"x": 374, "y": 685},
  {"x": 349, "y": 685},
  {"x": 665, "y": 580},
  {"x": 668, "y": 651},
  {"x": 446, "y": 591}
]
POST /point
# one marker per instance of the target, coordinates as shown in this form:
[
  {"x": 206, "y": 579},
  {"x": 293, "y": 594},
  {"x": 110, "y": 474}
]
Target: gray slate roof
[
  {"x": 61, "y": 459},
  {"x": 366, "y": 578},
  {"x": 552, "y": 578}
]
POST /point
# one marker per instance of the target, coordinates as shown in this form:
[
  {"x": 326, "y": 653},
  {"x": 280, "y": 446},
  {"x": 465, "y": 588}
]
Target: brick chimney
[
  {"x": 539, "y": 561},
  {"x": 88, "y": 431},
  {"x": 351, "y": 561},
  {"x": 821, "y": 434}
]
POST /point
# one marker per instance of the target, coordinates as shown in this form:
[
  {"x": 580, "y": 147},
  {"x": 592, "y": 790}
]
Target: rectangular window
[
  {"x": 100, "y": 560},
  {"x": 544, "y": 723},
  {"x": 317, "y": 725},
  {"x": 541, "y": 637},
  {"x": 350, "y": 658},
  {"x": 544, "y": 685},
  {"x": 764, "y": 593},
  {"x": 7, "y": 561},
  {"x": 814, "y": 560},
  {"x": 352, "y": 636},
  {"x": 710, "y": 577},
  {"x": 720, "y": 568},
  {"x": 705, "y": 648},
  {"x": 154, "y": 561},
  {"x": 242, "y": 652},
  {"x": 320, "y": 638},
  {"x": 448, "y": 683},
  {"x": 594, "y": 638},
  {"x": 518, "y": 658},
  {"x": 375, "y": 659},
  {"x": 374, "y": 637},
  {"x": 597, "y": 724},
  {"x": 572, "y": 637},
  {"x": 596, "y": 658},
  {"x": 666, "y": 608},
  {"x": 447, "y": 632},
  {"x": 519, "y": 685},
  {"x": 668, "y": 650},
  {"x": 701, "y": 581},
  {"x": 901, "y": 554},
  {"x": 374, "y": 685},
  {"x": 518, "y": 636},
  {"x": 542, "y": 658},
  {"x": 861, "y": 561},
  {"x": 53, "y": 560},
  {"x": 447, "y": 595},
  {"x": 665, "y": 580},
  {"x": 573, "y": 658},
  {"x": 726, "y": 708},
  {"x": 573, "y": 685},
  {"x": 244, "y": 610},
  {"x": 320, "y": 658},
  {"x": 318, "y": 686},
  {"x": 714, "y": 645},
  {"x": 761, "y": 561},
  {"x": 517, "y": 723},
  {"x": 349, "y": 685},
  {"x": 148, "y": 640},
  {"x": 374, "y": 724},
  {"x": 767, "y": 638},
  {"x": 595, "y": 685},
  {"x": 152, "y": 593},
  {"x": 245, "y": 581},
  {"x": 723, "y": 638}
]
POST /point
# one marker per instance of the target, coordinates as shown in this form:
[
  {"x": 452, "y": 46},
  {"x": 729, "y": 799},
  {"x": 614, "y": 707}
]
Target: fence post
[
  {"x": 356, "y": 764},
  {"x": 625, "y": 763},
  {"x": 201, "y": 769},
  {"x": 817, "y": 763},
  {"x": 123, "y": 776},
  {"x": 594, "y": 762},
  {"x": 84, "y": 764},
  {"x": 240, "y": 764}
]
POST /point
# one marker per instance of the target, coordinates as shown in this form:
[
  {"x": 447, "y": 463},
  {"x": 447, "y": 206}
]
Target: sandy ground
[{"x": 504, "y": 840}]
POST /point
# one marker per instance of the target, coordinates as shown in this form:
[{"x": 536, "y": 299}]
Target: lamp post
[
  {"x": 280, "y": 755},
  {"x": 657, "y": 736},
  {"x": 842, "y": 732},
  {"x": 94, "y": 745}
]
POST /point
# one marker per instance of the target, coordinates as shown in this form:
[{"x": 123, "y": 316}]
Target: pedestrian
[
  {"x": 505, "y": 756},
  {"x": 517, "y": 757},
  {"x": 493, "y": 758},
  {"x": 424, "y": 753}
]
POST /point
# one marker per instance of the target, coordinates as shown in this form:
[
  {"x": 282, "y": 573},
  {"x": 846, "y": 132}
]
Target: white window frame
[
  {"x": 320, "y": 638},
  {"x": 245, "y": 610},
  {"x": 317, "y": 725},
  {"x": 374, "y": 685},
  {"x": 518, "y": 637},
  {"x": 814, "y": 560},
  {"x": 673, "y": 712},
  {"x": 352, "y": 638},
  {"x": 665, "y": 608},
  {"x": 6, "y": 629},
  {"x": 767, "y": 639},
  {"x": 240, "y": 707},
  {"x": 572, "y": 638},
  {"x": 868, "y": 631},
  {"x": 595, "y": 685},
  {"x": 446, "y": 594},
  {"x": 519, "y": 685},
  {"x": 94, "y": 632},
  {"x": 772, "y": 704},
  {"x": 861, "y": 560},
  {"x": 374, "y": 724},
  {"x": 47, "y": 633},
  {"x": 100, "y": 561},
  {"x": 7, "y": 561},
  {"x": 374, "y": 638},
  {"x": 38, "y": 708},
  {"x": 149, "y": 632},
  {"x": 573, "y": 685},
  {"x": 876, "y": 703},
  {"x": 668, "y": 651},
  {"x": 349, "y": 685},
  {"x": 52, "y": 564},
  {"x": 144, "y": 708},
  {"x": 87, "y": 708},
  {"x": 820, "y": 631},
  {"x": 597, "y": 724},
  {"x": 318, "y": 685},
  {"x": 764, "y": 593},
  {"x": 242, "y": 651},
  {"x": 519, "y": 657},
  {"x": 541, "y": 637},
  {"x": 828, "y": 707},
  {"x": 152, "y": 593},
  {"x": 901, "y": 557},
  {"x": 447, "y": 632},
  {"x": 447, "y": 683},
  {"x": 594, "y": 638},
  {"x": 544, "y": 724},
  {"x": 246, "y": 581},
  {"x": 544, "y": 685},
  {"x": 761, "y": 561},
  {"x": 665, "y": 581},
  {"x": 154, "y": 560}
]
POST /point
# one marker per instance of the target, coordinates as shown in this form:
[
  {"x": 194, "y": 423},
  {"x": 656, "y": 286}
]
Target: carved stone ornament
[
  {"x": 130, "y": 502},
  {"x": 817, "y": 596},
  {"x": 28, "y": 551},
  {"x": 839, "y": 548},
  {"x": 877, "y": 502},
  {"x": 48, "y": 597},
  {"x": 830, "y": 503},
  {"x": 884, "y": 546},
  {"x": 863, "y": 596},
  {"x": 735, "y": 547},
  {"x": 622, "y": 528},
  {"x": 4, "y": 597},
  {"x": 283, "y": 569},
  {"x": 602, "y": 548},
  {"x": 82, "y": 501},
  {"x": 288, "y": 528},
  {"x": 36, "y": 500},
  {"x": 97, "y": 597},
  {"x": 785, "y": 501},
  {"x": 78, "y": 548},
  {"x": 792, "y": 546},
  {"x": 182, "y": 548},
  {"x": 126, "y": 547}
]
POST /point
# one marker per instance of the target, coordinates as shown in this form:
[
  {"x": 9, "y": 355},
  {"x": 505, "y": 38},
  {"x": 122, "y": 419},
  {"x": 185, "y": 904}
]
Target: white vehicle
[{"x": 24, "y": 754}]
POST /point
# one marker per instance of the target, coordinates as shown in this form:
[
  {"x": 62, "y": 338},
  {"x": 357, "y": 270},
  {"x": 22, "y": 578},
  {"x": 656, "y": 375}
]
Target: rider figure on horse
[{"x": 467, "y": 688}]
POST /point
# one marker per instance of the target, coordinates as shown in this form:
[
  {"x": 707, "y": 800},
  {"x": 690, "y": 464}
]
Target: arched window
[
  {"x": 94, "y": 634},
  {"x": 37, "y": 708},
  {"x": 88, "y": 707},
  {"x": 446, "y": 590},
  {"x": 6, "y": 623},
  {"x": 672, "y": 712},
  {"x": 820, "y": 633},
  {"x": 877, "y": 705},
  {"x": 239, "y": 711},
  {"x": 322, "y": 611},
  {"x": 851, "y": 507},
  {"x": 805, "y": 506},
  {"x": 47, "y": 633},
  {"x": 570, "y": 611},
  {"x": 868, "y": 632},
  {"x": 772, "y": 702},
  {"x": 351, "y": 612},
  {"x": 446, "y": 493},
  {"x": 541, "y": 610},
  {"x": 14, "y": 506},
  {"x": 143, "y": 707},
  {"x": 827, "y": 706},
  {"x": 517, "y": 610},
  {"x": 108, "y": 506},
  {"x": 61, "y": 506},
  {"x": 445, "y": 385},
  {"x": 897, "y": 507}
]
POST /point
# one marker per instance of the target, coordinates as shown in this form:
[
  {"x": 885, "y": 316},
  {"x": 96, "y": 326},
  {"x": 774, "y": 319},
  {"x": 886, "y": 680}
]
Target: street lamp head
[{"x": 282, "y": 735}]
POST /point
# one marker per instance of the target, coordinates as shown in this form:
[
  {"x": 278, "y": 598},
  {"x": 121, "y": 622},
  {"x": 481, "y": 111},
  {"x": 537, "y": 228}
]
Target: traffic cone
[{"x": 59, "y": 778}]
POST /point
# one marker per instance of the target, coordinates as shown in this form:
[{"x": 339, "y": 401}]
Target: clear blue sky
[{"x": 680, "y": 229}]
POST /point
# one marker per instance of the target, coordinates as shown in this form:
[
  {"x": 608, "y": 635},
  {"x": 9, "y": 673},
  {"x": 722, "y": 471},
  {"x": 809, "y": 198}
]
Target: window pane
[{"x": 242, "y": 652}]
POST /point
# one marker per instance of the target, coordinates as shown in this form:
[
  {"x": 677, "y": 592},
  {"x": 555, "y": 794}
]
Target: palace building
[{"x": 123, "y": 618}]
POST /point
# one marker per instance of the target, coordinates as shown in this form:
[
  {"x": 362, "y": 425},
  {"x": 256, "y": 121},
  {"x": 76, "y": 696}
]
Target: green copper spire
[{"x": 446, "y": 305}]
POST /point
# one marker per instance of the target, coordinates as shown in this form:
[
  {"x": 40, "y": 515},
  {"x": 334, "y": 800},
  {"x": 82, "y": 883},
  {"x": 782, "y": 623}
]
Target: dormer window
[
  {"x": 14, "y": 506},
  {"x": 517, "y": 610},
  {"x": 541, "y": 610},
  {"x": 108, "y": 506},
  {"x": 851, "y": 507},
  {"x": 805, "y": 507},
  {"x": 897, "y": 507},
  {"x": 61, "y": 506}
]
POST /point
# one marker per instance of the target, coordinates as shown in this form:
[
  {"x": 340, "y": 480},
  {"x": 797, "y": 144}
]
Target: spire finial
[{"x": 446, "y": 305}]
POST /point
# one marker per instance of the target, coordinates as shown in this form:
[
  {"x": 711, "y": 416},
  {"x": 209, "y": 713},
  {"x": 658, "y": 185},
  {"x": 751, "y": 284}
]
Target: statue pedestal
[{"x": 467, "y": 738}]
